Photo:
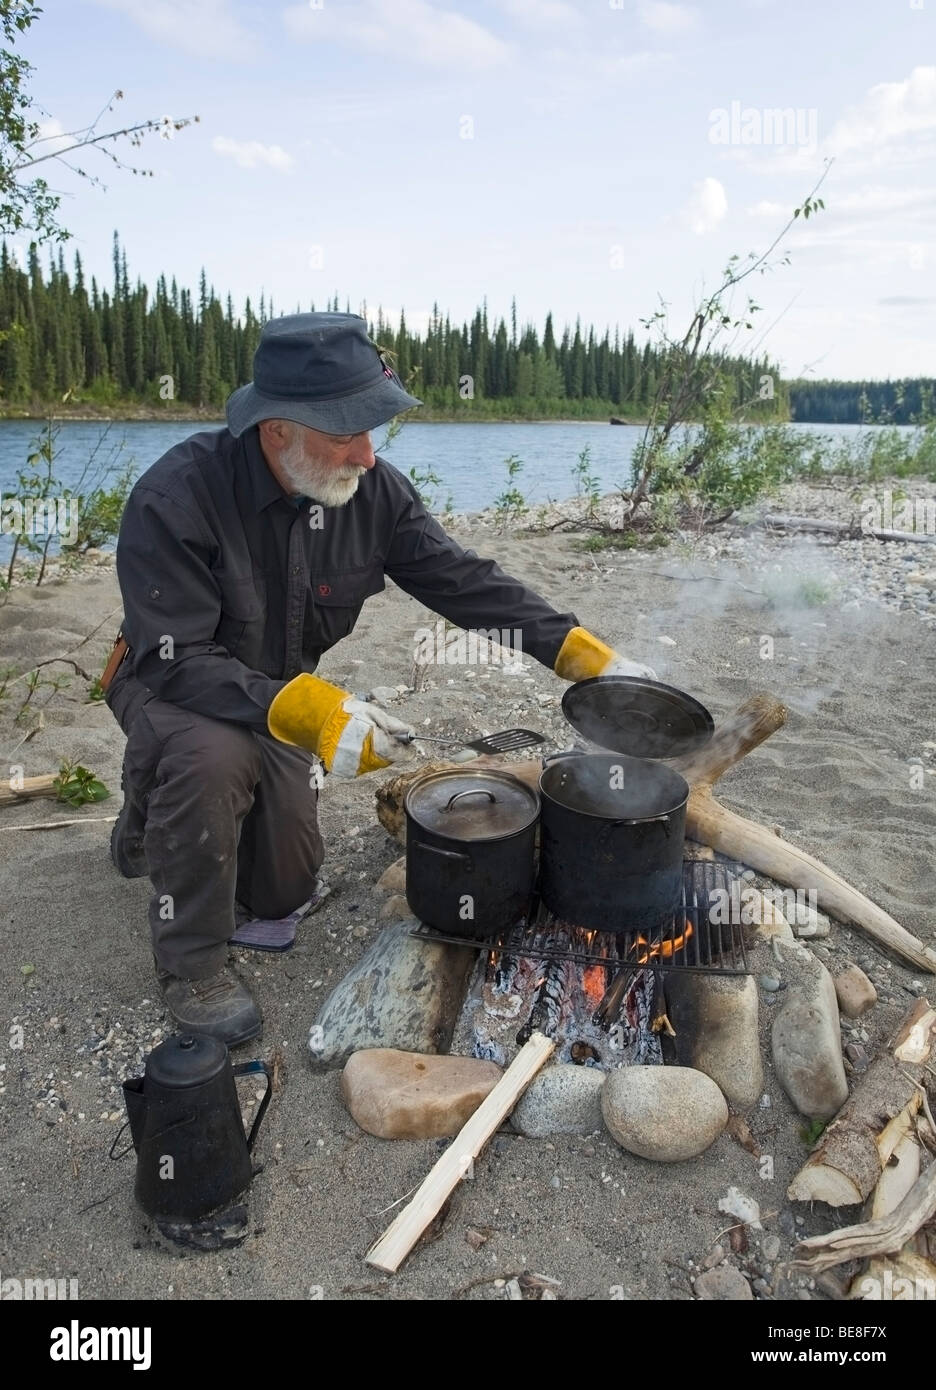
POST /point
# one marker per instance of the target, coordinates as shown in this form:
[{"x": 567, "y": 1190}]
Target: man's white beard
[{"x": 322, "y": 483}]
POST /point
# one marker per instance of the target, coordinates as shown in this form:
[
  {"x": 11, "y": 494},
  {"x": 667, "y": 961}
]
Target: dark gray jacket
[{"x": 231, "y": 588}]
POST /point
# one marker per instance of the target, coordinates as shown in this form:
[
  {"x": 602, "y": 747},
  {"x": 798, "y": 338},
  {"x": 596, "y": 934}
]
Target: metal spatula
[{"x": 507, "y": 741}]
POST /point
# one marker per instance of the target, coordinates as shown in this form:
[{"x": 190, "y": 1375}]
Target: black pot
[
  {"x": 470, "y": 850},
  {"x": 611, "y": 841}
]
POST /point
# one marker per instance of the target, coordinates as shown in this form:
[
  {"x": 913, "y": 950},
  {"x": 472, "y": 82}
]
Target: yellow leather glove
[
  {"x": 583, "y": 655},
  {"x": 349, "y": 735}
]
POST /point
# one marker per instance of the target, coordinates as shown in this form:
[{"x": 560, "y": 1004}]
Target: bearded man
[{"x": 244, "y": 554}]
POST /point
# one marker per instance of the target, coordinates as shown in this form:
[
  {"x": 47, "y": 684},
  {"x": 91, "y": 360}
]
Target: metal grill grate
[{"x": 710, "y": 947}]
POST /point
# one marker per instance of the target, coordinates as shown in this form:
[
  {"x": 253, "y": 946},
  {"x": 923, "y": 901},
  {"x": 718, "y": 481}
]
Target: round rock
[
  {"x": 664, "y": 1113},
  {"x": 564, "y": 1099},
  {"x": 723, "y": 1283}
]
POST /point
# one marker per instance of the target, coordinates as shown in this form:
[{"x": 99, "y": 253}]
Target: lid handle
[{"x": 473, "y": 791}]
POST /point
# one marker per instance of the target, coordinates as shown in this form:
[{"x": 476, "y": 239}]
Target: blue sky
[{"x": 588, "y": 156}]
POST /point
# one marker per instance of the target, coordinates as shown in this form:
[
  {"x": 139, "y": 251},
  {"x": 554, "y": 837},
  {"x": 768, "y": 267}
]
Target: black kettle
[{"x": 193, "y": 1157}]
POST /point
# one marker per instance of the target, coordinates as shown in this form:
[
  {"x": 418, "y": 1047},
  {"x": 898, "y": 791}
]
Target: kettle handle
[{"x": 250, "y": 1068}]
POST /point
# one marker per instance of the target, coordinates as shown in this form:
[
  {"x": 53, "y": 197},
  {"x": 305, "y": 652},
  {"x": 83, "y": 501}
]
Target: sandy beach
[{"x": 852, "y": 653}]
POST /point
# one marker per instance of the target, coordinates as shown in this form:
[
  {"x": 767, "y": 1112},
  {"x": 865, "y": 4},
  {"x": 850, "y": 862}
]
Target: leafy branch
[
  {"x": 692, "y": 384},
  {"x": 29, "y": 202}
]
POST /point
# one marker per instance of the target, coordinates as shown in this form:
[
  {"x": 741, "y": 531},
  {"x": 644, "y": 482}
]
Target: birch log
[{"x": 852, "y": 1156}]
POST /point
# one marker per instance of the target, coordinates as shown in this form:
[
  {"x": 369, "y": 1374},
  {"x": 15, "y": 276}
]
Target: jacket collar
[{"x": 266, "y": 490}]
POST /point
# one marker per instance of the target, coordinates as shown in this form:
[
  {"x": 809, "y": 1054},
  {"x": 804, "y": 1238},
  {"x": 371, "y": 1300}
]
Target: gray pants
[{"x": 225, "y": 813}]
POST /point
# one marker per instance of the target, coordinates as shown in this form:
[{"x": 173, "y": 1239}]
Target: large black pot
[
  {"x": 611, "y": 841},
  {"x": 470, "y": 846}
]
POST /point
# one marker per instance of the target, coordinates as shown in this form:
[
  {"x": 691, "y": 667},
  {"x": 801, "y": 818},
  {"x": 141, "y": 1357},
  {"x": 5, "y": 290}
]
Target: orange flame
[
  {"x": 662, "y": 950},
  {"x": 593, "y": 982}
]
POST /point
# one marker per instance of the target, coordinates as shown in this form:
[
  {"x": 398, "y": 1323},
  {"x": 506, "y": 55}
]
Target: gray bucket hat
[{"x": 320, "y": 370}]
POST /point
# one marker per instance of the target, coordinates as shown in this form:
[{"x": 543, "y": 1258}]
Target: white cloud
[
  {"x": 765, "y": 208},
  {"x": 51, "y": 138},
  {"x": 412, "y": 30},
  {"x": 665, "y": 18},
  {"x": 706, "y": 207},
  {"x": 542, "y": 13},
  {"x": 894, "y": 124},
  {"x": 204, "y": 28},
  {"x": 890, "y": 111},
  {"x": 873, "y": 200},
  {"x": 251, "y": 154}
]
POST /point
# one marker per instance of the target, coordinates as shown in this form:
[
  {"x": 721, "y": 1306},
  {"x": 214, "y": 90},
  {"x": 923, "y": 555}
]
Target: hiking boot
[
  {"x": 126, "y": 843},
  {"x": 220, "y": 1006}
]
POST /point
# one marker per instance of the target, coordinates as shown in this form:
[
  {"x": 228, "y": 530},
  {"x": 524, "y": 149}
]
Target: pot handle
[
  {"x": 445, "y": 853},
  {"x": 472, "y": 791},
  {"x": 247, "y": 1069},
  {"x": 563, "y": 753},
  {"x": 663, "y": 820}
]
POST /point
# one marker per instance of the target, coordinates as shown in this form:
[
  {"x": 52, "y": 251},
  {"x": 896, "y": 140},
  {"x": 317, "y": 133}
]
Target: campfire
[
  {"x": 600, "y": 996},
  {"x": 642, "y": 1024}
]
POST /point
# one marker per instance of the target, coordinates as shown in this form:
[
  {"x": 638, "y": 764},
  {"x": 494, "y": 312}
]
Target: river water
[{"x": 468, "y": 459}]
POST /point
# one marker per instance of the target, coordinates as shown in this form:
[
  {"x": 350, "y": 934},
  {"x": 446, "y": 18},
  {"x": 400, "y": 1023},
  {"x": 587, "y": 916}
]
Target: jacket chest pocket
[
  {"x": 337, "y": 599},
  {"x": 243, "y": 614}
]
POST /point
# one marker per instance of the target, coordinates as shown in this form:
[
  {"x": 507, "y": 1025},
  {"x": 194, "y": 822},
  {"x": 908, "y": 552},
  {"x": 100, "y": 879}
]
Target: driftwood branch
[
  {"x": 882, "y": 1237},
  {"x": 845, "y": 530}
]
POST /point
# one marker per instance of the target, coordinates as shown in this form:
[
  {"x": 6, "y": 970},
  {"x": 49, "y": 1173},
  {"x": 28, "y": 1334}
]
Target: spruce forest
[{"x": 64, "y": 340}]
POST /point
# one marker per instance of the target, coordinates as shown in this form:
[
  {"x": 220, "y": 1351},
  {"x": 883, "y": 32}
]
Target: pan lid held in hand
[{"x": 638, "y": 717}]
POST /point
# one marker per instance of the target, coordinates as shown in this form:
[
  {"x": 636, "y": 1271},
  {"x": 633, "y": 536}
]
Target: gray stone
[
  {"x": 665, "y": 1113},
  {"x": 384, "y": 694},
  {"x": 805, "y": 1037},
  {"x": 770, "y": 1248},
  {"x": 770, "y": 983},
  {"x": 402, "y": 993},
  {"x": 715, "y": 1017},
  {"x": 563, "y": 1099},
  {"x": 723, "y": 1283}
]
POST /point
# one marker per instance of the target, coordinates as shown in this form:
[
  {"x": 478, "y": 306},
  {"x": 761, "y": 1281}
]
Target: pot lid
[
  {"x": 639, "y": 717},
  {"x": 482, "y": 805},
  {"x": 186, "y": 1059}
]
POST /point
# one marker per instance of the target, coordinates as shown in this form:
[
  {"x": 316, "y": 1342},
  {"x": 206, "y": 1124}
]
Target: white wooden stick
[
  {"x": 57, "y": 824},
  {"x": 397, "y": 1241}
]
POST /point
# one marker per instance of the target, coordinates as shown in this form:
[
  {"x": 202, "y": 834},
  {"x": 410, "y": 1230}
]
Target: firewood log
[
  {"x": 32, "y": 787},
  {"x": 847, "y": 1163},
  {"x": 855, "y": 1150}
]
